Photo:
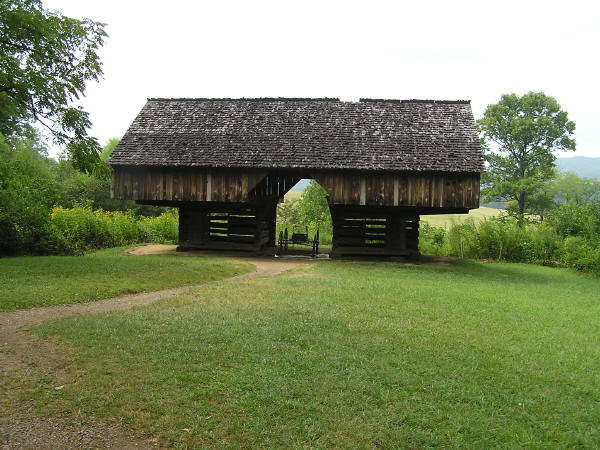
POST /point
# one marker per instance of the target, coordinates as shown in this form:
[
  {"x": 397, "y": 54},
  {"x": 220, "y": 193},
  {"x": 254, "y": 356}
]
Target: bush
[
  {"x": 573, "y": 219},
  {"x": 27, "y": 193},
  {"x": 432, "y": 239},
  {"x": 80, "y": 228},
  {"x": 161, "y": 230},
  {"x": 537, "y": 244}
]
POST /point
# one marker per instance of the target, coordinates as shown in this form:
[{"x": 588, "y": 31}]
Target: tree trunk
[{"x": 521, "y": 208}]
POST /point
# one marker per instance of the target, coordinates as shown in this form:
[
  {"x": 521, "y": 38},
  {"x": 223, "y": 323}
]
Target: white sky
[{"x": 429, "y": 50}]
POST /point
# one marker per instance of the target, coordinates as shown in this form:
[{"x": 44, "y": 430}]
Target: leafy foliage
[
  {"x": 46, "y": 207},
  {"x": 27, "y": 192},
  {"x": 80, "y": 229},
  {"x": 569, "y": 237},
  {"x": 45, "y": 61},
  {"x": 568, "y": 187},
  {"x": 525, "y": 130},
  {"x": 313, "y": 206}
]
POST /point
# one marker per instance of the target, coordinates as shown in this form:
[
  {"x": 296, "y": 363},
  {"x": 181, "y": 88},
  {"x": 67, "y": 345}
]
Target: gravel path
[{"x": 22, "y": 353}]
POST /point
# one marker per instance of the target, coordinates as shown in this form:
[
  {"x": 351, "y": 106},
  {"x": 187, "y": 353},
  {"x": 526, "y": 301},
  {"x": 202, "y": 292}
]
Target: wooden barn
[{"x": 226, "y": 163}]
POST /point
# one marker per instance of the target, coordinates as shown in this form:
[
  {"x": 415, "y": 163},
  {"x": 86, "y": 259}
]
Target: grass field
[
  {"x": 348, "y": 354},
  {"x": 51, "y": 280},
  {"x": 446, "y": 220}
]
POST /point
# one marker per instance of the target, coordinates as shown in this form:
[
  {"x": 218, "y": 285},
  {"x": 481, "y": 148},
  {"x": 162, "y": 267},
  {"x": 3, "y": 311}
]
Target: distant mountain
[{"x": 583, "y": 166}]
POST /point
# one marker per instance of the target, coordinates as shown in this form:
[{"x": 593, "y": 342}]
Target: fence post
[
  {"x": 462, "y": 251},
  {"x": 500, "y": 255}
]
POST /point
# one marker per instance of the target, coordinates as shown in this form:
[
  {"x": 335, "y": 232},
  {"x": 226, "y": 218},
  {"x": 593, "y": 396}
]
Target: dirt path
[{"x": 23, "y": 355}]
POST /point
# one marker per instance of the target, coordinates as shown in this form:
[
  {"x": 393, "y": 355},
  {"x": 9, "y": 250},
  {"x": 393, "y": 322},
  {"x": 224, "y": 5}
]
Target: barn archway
[{"x": 304, "y": 221}]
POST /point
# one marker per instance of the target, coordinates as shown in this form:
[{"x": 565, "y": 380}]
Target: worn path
[{"x": 23, "y": 354}]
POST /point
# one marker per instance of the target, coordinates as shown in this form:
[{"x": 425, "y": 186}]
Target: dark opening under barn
[{"x": 226, "y": 163}]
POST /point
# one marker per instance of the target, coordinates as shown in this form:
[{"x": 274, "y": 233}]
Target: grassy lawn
[
  {"x": 51, "y": 280},
  {"x": 350, "y": 355},
  {"x": 446, "y": 220}
]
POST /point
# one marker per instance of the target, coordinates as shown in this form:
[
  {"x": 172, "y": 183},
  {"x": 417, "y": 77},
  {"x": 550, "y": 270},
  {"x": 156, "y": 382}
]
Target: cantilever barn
[{"x": 226, "y": 163}]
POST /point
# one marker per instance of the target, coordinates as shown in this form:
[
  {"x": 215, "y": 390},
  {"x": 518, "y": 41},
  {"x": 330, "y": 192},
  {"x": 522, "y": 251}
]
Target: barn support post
[
  {"x": 193, "y": 226},
  {"x": 266, "y": 215}
]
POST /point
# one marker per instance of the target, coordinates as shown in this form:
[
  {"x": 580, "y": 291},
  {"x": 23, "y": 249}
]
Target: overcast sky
[{"x": 401, "y": 50}]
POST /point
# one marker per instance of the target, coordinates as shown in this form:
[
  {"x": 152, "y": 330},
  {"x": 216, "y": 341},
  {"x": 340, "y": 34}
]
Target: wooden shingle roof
[{"x": 390, "y": 135}]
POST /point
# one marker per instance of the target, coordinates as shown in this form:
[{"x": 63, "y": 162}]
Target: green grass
[
  {"x": 350, "y": 355},
  {"x": 51, "y": 280},
  {"x": 446, "y": 220}
]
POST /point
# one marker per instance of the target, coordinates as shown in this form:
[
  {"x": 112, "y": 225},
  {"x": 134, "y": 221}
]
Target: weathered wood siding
[
  {"x": 424, "y": 190},
  {"x": 183, "y": 185},
  {"x": 428, "y": 190}
]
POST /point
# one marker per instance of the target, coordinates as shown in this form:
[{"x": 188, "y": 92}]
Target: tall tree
[
  {"x": 523, "y": 133},
  {"x": 45, "y": 61},
  {"x": 313, "y": 205}
]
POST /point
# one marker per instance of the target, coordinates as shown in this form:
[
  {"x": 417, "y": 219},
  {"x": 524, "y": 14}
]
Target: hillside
[
  {"x": 581, "y": 165},
  {"x": 446, "y": 220}
]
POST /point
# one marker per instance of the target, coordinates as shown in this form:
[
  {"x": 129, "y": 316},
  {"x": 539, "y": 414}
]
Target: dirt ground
[{"x": 24, "y": 356}]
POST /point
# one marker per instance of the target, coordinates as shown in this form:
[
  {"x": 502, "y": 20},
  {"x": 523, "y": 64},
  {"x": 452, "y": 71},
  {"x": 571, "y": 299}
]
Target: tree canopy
[
  {"x": 45, "y": 61},
  {"x": 313, "y": 205},
  {"x": 524, "y": 132}
]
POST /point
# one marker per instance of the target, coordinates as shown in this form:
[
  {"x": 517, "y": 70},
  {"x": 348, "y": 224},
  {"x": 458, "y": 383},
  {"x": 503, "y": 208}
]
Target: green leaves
[
  {"x": 45, "y": 61},
  {"x": 313, "y": 205},
  {"x": 525, "y": 132}
]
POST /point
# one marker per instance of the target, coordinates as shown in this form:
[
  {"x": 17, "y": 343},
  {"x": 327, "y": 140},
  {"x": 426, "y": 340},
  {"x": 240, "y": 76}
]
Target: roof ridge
[
  {"x": 414, "y": 100},
  {"x": 306, "y": 99},
  {"x": 256, "y": 99}
]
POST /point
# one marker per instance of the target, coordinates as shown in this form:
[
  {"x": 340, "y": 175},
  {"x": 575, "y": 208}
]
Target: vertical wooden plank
[
  {"x": 209, "y": 186},
  {"x": 370, "y": 195},
  {"x": 225, "y": 186},
  {"x": 176, "y": 183},
  {"x": 215, "y": 195},
  {"x": 158, "y": 185},
  {"x": 338, "y": 192},
  {"x": 355, "y": 190},
  {"x": 135, "y": 185},
  {"x": 169, "y": 187},
  {"x": 395, "y": 190},
  {"x": 245, "y": 182},
  {"x": 363, "y": 190},
  {"x": 200, "y": 186},
  {"x": 402, "y": 233},
  {"x": 127, "y": 185}
]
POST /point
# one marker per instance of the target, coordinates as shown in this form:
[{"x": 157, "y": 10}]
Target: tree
[
  {"x": 313, "y": 205},
  {"x": 45, "y": 61},
  {"x": 524, "y": 132},
  {"x": 287, "y": 213},
  {"x": 27, "y": 193},
  {"x": 569, "y": 187}
]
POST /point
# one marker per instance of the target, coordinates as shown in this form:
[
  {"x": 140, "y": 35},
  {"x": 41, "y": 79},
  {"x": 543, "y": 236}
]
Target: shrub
[
  {"x": 27, "y": 193},
  {"x": 79, "y": 229},
  {"x": 431, "y": 239},
  {"x": 162, "y": 229},
  {"x": 544, "y": 246}
]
